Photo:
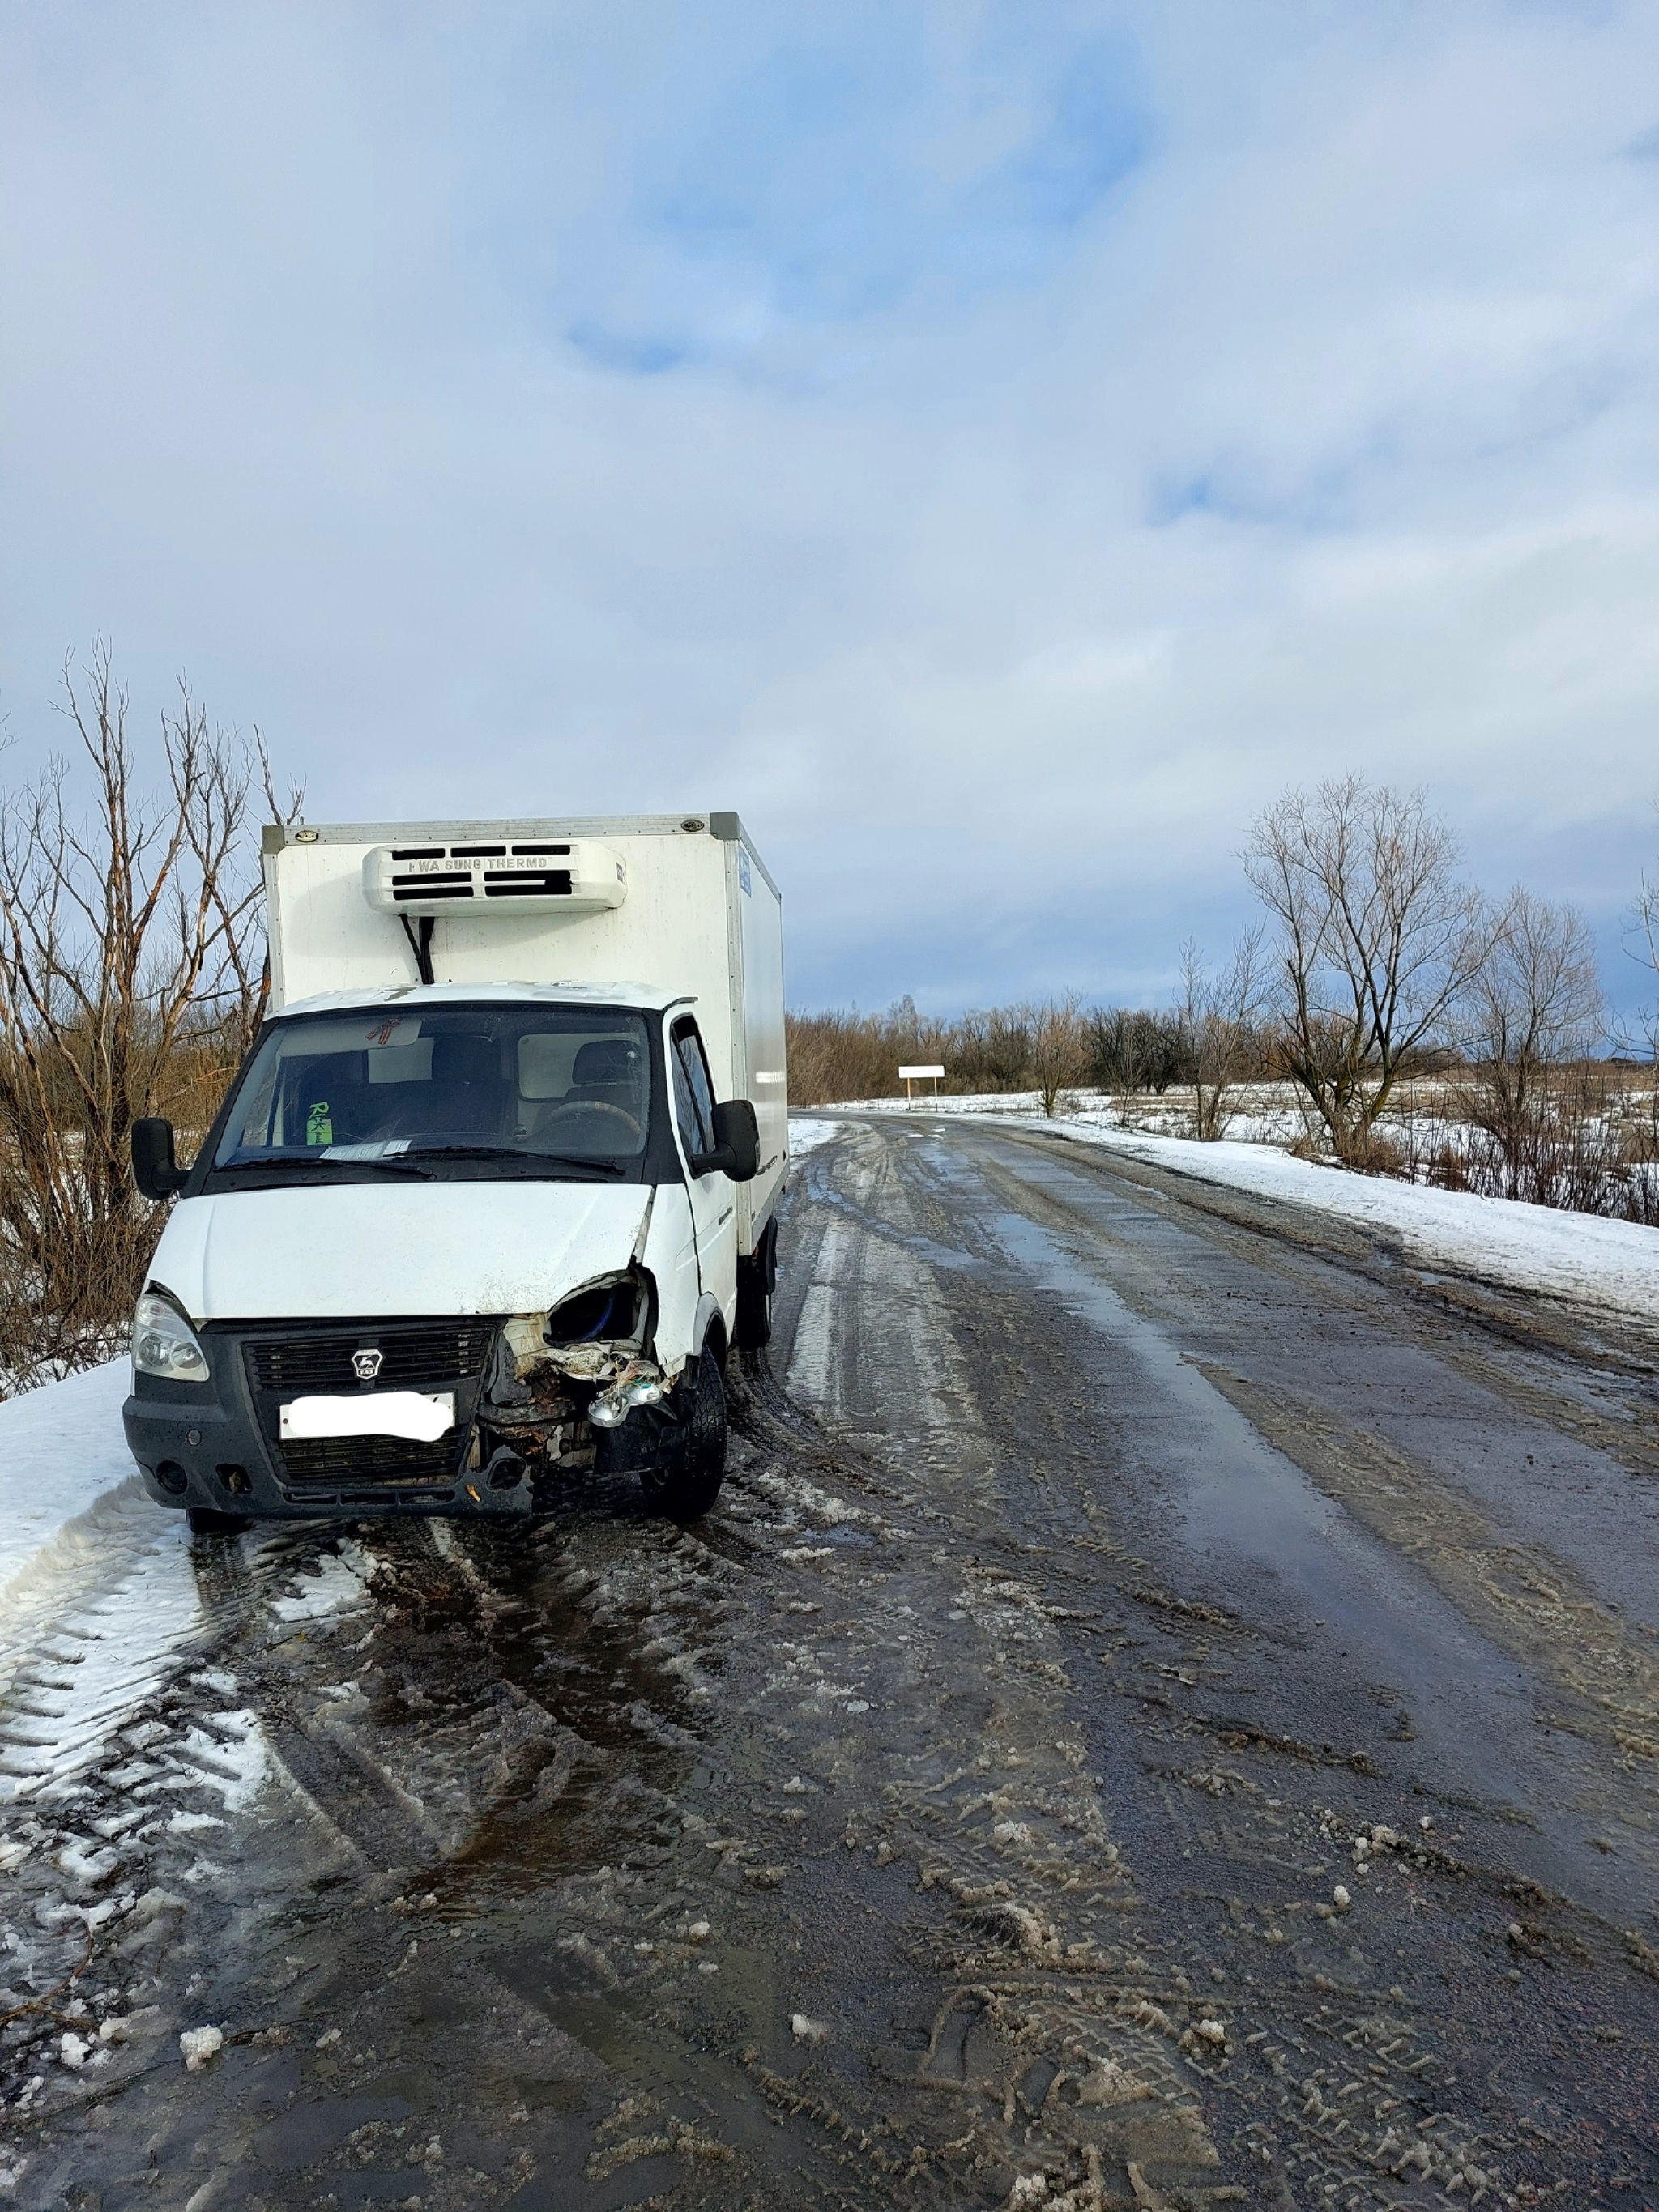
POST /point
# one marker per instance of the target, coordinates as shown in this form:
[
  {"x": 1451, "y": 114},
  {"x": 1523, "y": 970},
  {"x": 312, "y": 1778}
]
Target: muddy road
[{"x": 1165, "y": 1713}]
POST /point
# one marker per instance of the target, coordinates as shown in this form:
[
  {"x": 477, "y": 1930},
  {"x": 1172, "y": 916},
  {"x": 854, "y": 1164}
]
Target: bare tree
[
  {"x": 1643, "y": 1037},
  {"x": 1219, "y": 1011},
  {"x": 992, "y": 1051},
  {"x": 1059, "y": 1046},
  {"x": 1131, "y": 1050},
  {"x": 1379, "y": 939},
  {"x": 1535, "y": 1002},
  {"x": 132, "y": 975}
]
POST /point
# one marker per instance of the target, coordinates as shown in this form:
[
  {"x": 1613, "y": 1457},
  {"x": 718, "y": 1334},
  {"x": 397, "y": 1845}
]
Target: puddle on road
[{"x": 1237, "y": 1499}]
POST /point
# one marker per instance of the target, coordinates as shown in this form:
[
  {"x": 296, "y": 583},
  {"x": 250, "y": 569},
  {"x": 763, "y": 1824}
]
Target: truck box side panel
[{"x": 757, "y": 974}]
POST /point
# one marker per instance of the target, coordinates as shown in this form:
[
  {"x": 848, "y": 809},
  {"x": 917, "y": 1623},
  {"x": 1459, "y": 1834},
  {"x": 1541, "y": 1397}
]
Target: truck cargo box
[{"x": 675, "y": 902}]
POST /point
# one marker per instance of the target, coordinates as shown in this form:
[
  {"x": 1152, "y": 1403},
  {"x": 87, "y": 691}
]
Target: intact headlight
[{"x": 164, "y": 1343}]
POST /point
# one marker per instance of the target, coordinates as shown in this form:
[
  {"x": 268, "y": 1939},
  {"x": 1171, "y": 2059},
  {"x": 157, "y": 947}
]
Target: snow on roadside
[
  {"x": 90, "y": 1638},
  {"x": 97, "y": 1594},
  {"x": 808, "y": 1131},
  {"x": 61, "y": 1448},
  {"x": 125, "y": 1777},
  {"x": 1581, "y": 1258}
]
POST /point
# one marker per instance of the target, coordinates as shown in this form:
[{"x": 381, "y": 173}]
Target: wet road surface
[{"x": 1164, "y": 1713}]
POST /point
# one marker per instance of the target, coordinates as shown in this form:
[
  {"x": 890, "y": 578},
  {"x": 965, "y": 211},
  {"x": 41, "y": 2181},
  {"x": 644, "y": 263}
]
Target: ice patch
[
  {"x": 813, "y": 1351},
  {"x": 199, "y": 2046}
]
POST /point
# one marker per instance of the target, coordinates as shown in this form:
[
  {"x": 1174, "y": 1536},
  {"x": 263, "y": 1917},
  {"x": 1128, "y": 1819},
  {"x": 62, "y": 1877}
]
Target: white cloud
[{"x": 996, "y": 489}]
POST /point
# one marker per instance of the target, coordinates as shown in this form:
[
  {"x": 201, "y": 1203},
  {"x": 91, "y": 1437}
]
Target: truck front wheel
[{"x": 688, "y": 1481}]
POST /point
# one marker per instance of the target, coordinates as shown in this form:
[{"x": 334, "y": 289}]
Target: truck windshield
[{"x": 538, "y": 1089}]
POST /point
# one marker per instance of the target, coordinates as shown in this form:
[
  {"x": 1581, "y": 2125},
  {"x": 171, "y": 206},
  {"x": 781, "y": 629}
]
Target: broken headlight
[
  {"x": 638, "y": 1384},
  {"x": 164, "y": 1343},
  {"x": 607, "y": 1313}
]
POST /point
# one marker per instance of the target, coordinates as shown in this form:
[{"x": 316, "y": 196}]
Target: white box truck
[{"x": 495, "y": 1192}]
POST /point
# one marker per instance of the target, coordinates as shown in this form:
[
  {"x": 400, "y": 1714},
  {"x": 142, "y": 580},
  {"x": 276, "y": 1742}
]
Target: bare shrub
[
  {"x": 1379, "y": 939},
  {"x": 1219, "y": 1013},
  {"x": 853, "y": 1055},
  {"x": 132, "y": 978},
  {"x": 1572, "y": 1149},
  {"x": 1535, "y": 1004},
  {"x": 838, "y": 1055},
  {"x": 990, "y": 1051},
  {"x": 1133, "y": 1049},
  {"x": 1058, "y": 1048}
]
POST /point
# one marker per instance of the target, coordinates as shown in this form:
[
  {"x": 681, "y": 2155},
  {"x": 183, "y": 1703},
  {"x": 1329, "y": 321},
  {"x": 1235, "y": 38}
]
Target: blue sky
[{"x": 995, "y": 448}]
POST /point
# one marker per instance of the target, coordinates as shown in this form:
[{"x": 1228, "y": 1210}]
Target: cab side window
[{"x": 694, "y": 1098}]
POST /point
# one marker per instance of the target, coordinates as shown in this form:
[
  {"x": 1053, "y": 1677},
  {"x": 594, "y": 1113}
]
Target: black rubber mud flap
[{"x": 757, "y": 1279}]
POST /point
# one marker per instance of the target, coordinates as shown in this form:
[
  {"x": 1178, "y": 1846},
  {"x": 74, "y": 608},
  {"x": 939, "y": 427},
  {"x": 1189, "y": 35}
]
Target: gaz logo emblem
[{"x": 366, "y": 1365}]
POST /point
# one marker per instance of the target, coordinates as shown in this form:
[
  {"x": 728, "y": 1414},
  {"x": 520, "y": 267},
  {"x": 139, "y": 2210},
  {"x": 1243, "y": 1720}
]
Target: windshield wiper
[
  {"x": 515, "y": 1153},
  {"x": 279, "y": 1161}
]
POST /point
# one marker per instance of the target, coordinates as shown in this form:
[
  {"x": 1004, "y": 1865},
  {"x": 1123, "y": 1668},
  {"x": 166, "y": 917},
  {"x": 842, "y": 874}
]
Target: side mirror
[
  {"x": 155, "y": 1171},
  {"x": 737, "y": 1143}
]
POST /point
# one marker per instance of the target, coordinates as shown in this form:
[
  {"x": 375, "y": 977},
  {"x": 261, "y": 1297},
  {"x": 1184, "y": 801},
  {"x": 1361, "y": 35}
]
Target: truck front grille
[
  {"x": 427, "y": 1356},
  {"x": 448, "y": 1354},
  {"x": 334, "y": 1460}
]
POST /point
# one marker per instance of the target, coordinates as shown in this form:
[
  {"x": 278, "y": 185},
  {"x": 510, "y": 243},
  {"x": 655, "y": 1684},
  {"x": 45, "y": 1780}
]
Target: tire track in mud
[
  {"x": 1071, "y": 2081},
  {"x": 964, "y": 1850},
  {"x": 910, "y": 1833},
  {"x": 1278, "y": 2086},
  {"x": 130, "y": 1763}
]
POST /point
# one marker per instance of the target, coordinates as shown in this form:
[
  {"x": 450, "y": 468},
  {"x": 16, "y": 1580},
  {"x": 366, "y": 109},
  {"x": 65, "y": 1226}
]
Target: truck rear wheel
[{"x": 686, "y": 1483}]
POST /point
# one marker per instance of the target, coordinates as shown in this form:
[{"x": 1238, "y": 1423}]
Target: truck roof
[{"x": 644, "y": 998}]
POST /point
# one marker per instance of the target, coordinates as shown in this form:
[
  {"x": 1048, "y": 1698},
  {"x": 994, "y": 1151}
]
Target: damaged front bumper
[{"x": 530, "y": 1416}]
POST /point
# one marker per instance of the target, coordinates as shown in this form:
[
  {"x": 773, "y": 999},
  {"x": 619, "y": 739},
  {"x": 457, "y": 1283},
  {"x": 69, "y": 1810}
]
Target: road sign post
[{"x": 909, "y": 1075}]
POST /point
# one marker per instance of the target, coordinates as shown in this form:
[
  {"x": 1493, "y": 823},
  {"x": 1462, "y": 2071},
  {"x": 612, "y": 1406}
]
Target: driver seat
[{"x": 608, "y": 1072}]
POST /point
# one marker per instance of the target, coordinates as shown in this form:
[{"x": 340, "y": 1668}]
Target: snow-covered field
[{"x": 1612, "y": 1266}]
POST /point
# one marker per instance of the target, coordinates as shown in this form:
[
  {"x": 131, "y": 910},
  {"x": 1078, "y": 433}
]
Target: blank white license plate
[{"x": 415, "y": 1415}]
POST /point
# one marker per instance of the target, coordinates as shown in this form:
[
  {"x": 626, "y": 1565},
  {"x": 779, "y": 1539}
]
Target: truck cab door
[{"x": 714, "y": 1196}]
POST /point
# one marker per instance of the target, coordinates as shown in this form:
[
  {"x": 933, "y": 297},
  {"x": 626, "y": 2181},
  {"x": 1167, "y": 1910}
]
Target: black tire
[
  {"x": 755, "y": 1277},
  {"x": 687, "y": 1482},
  {"x": 207, "y": 1521}
]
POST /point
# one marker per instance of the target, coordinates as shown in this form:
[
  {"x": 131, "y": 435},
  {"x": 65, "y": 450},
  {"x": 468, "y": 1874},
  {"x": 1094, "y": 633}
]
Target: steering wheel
[{"x": 627, "y": 1128}]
